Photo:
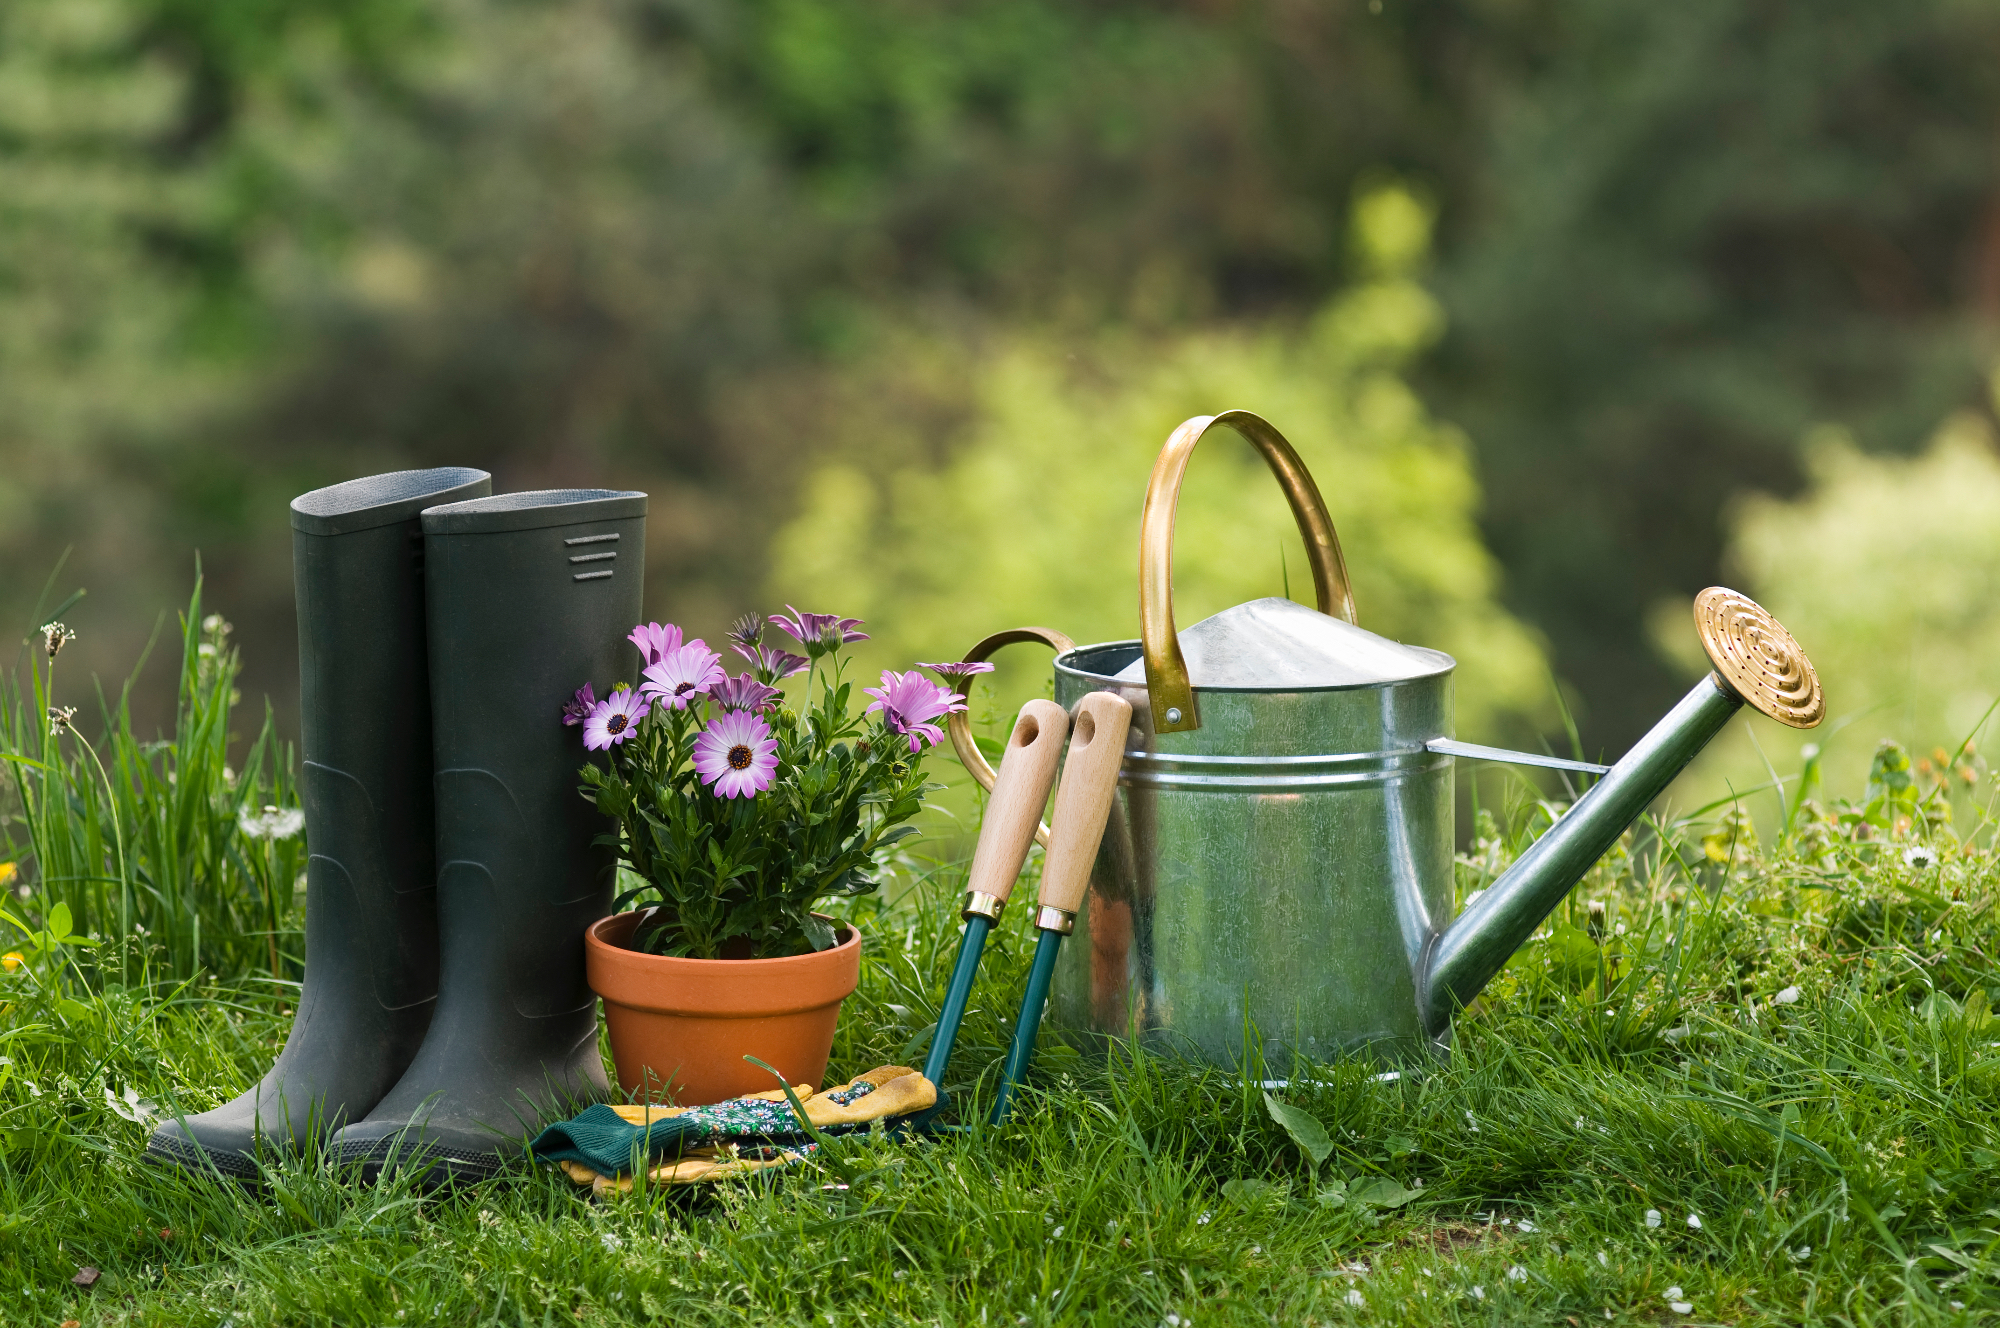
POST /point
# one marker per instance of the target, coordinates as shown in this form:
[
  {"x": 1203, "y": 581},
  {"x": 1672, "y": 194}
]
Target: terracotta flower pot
[{"x": 681, "y": 1027}]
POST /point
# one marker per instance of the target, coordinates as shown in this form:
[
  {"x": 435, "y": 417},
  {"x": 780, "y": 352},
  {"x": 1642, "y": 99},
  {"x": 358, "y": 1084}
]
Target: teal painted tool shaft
[
  {"x": 956, "y": 995},
  {"x": 1030, "y": 1022}
]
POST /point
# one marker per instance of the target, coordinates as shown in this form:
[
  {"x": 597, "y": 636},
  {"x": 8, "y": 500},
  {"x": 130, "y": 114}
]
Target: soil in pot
[{"x": 680, "y": 1028}]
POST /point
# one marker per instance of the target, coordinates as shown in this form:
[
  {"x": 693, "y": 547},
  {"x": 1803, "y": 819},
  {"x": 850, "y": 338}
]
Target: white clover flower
[{"x": 1652, "y": 1217}]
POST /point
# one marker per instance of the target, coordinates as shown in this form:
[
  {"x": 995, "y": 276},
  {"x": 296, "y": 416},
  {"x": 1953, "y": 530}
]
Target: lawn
[{"x": 1728, "y": 1083}]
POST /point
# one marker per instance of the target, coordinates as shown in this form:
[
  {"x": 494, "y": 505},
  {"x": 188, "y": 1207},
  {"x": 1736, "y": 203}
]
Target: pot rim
[{"x": 718, "y": 988}]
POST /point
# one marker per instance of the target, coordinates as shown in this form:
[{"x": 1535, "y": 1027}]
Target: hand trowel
[
  {"x": 1083, "y": 803},
  {"x": 1014, "y": 811}
]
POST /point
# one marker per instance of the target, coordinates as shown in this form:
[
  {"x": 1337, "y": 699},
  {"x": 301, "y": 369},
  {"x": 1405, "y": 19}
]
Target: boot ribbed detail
[
  {"x": 530, "y": 596},
  {"x": 371, "y": 913}
]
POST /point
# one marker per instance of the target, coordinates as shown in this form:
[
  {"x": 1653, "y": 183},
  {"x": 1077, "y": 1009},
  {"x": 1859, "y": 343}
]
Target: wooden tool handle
[
  {"x": 1090, "y": 777},
  {"x": 1027, "y": 769}
]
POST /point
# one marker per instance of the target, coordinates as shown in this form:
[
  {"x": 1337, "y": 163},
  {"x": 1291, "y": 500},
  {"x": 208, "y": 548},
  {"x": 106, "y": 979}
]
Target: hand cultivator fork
[{"x": 1026, "y": 773}]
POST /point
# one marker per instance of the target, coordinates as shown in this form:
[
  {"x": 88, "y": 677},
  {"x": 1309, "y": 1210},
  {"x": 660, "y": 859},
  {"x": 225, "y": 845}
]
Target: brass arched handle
[
  {"x": 1166, "y": 670},
  {"x": 960, "y": 725}
]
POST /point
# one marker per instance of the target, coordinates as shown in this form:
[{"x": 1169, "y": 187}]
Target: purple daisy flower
[
  {"x": 736, "y": 756},
  {"x": 683, "y": 674},
  {"x": 614, "y": 719},
  {"x": 957, "y": 671},
  {"x": 819, "y": 633},
  {"x": 771, "y": 663},
  {"x": 748, "y": 630},
  {"x": 575, "y": 711},
  {"x": 656, "y": 642},
  {"x": 908, "y": 702},
  {"x": 742, "y": 692}
]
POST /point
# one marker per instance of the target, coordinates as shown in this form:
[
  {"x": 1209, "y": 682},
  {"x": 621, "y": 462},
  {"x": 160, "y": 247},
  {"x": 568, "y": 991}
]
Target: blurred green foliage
[
  {"x": 249, "y": 247},
  {"x": 1887, "y": 570},
  {"x": 1031, "y": 514}
]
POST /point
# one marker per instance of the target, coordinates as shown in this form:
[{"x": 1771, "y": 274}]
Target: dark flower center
[
  {"x": 616, "y": 724},
  {"x": 684, "y": 689},
  {"x": 739, "y": 757}
]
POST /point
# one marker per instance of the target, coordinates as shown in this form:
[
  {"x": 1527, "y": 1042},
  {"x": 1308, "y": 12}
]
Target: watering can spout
[{"x": 1756, "y": 661}]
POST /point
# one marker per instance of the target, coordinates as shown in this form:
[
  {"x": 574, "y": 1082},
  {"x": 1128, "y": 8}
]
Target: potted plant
[{"x": 738, "y": 814}]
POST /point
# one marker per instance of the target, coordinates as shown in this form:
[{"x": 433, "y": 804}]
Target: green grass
[
  {"x": 1838, "y": 1149},
  {"x": 148, "y": 839}
]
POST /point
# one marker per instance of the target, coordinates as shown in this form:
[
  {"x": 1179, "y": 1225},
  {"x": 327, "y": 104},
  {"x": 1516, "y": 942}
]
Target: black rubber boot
[
  {"x": 371, "y": 910},
  {"x": 531, "y": 596}
]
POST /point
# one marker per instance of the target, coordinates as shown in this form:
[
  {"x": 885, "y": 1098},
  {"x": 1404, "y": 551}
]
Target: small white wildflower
[
  {"x": 610, "y": 1241},
  {"x": 1111, "y": 1225},
  {"x": 1525, "y": 1225},
  {"x": 1956, "y": 1304},
  {"x": 1479, "y": 1293},
  {"x": 1694, "y": 1221},
  {"x": 1801, "y": 1254},
  {"x": 1517, "y": 1274},
  {"x": 1202, "y": 1221},
  {"x": 1652, "y": 1217},
  {"x": 1056, "y": 1234},
  {"x": 1256, "y": 1249},
  {"x": 271, "y": 823},
  {"x": 899, "y": 1274},
  {"x": 1173, "y": 1321},
  {"x": 1355, "y": 1298},
  {"x": 1789, "y": 996},
  {"x": 1673, "y": 1293},
  {"x": 1919, "y": 857},
  {"x": 1472, "y": 1124},
  {"x": 1680, "y": 1306},
  {"x": 1621, "y": 929},
  {"x": 1602, "y": 1261}
]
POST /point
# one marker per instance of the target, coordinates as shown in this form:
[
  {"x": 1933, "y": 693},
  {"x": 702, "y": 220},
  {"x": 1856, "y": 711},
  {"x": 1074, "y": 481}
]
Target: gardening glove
[{"x": 744, "y": 1134}]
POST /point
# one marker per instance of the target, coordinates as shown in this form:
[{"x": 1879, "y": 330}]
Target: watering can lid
[{"x": 1279, "y": 645}]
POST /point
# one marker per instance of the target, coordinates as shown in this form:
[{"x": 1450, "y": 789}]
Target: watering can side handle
[
  {"x": 960, "y": 725},
  {"x": 1167, "y": 684}
]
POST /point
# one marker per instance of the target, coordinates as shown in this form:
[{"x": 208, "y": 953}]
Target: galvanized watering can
[{"x": 1279, "y": 853}]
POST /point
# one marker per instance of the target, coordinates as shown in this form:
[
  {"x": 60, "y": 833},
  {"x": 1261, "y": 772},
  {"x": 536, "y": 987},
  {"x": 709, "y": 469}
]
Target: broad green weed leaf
[
  {"x": 59, "y": 922},
  {"x": 1246, "y": 1191},
  {"x": 1305, "y": 1130},
  {"x": 1381, "y": 1192}
]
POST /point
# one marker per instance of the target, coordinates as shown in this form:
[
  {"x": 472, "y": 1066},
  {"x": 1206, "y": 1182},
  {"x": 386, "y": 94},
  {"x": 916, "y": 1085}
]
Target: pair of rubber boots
[{"x": 444, "y": 1014}]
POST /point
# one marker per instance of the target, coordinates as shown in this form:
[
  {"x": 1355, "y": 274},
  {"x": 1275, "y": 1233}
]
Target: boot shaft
[
  {"x": 530, "y": 596},
  {"x": 357, "y": 559}
]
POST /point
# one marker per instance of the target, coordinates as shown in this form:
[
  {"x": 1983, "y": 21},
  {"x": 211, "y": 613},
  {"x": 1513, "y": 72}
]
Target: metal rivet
[{"x": 1173, "y": 714}]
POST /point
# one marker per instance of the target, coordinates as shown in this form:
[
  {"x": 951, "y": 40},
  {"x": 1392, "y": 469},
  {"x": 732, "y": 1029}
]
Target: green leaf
[
  {"x": 59, "y": 922},
  {"x": 1333, "y": 1194},
  {"x": 1381, "y": 1192},
  {"x": 1245, "y": 1191},
  {"x": 818, "y": 931},
  {"x": 1401, "y": 1145},
  {"x": 1304, "y": 1129}
]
